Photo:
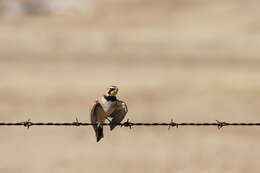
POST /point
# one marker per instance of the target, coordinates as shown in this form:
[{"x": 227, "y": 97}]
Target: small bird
[{"x": 108, "y": 107}]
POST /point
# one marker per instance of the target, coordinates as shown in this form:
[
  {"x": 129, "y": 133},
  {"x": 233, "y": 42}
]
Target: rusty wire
[{"x": 218, "y": 124}]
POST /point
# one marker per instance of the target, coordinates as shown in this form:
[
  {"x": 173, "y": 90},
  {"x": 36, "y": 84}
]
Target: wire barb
[
  {"x": 221, "y": 124},
  {"x": 27, "y": 124},
  {"x": 127, "y": 124},
  {"x": 76, "y": 123},
  {"x": 173, "y": 124}
]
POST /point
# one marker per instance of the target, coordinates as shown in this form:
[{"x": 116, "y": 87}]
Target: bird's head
[{"x": 112, "y": 91}]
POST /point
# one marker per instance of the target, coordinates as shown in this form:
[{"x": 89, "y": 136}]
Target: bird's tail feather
[{"x": 99, "y": 133}]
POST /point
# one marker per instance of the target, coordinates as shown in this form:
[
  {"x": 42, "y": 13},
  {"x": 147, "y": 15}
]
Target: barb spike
[
  {"x": 172, "y": 123},
  {"x": 76, "y": 123},
  {"x": 27, "y": 124},
  {"x": 221, "y": 124},
  {"x": 127, "y": 124}
]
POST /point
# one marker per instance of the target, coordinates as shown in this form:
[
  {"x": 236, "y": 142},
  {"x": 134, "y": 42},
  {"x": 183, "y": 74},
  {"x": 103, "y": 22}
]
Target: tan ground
[{"x": 193, "y": 61}]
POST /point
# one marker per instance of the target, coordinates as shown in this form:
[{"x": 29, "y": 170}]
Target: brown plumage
[
  {"x": 97, "y": 110},
  {"x": 108, "y": 107},
  {"x": 119, "y": 114}
]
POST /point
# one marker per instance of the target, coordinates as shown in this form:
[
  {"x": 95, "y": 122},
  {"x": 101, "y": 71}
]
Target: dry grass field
[{"x": 192, "y": 61}]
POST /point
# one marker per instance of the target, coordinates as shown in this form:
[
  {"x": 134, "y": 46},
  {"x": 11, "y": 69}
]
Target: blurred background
[{"x": 193, "y": 61}]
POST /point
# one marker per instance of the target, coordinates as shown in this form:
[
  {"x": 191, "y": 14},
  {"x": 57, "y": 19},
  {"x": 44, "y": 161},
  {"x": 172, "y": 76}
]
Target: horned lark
[{"x": 107, "y": 107}]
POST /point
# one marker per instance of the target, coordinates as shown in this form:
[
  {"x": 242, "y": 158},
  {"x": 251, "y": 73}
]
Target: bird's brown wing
[
  {"x": 119, "y": 114},
  {"x": 96, "y": 114}
]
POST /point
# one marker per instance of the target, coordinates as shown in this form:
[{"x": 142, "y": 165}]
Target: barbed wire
[{"x": 128, "y": 123}]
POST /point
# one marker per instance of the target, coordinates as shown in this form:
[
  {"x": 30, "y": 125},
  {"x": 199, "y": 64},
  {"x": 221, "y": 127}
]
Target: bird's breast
[{"x": 107, "y": 105}]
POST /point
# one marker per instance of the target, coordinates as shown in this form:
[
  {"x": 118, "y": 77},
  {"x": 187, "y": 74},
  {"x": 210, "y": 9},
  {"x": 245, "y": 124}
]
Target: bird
[{"x": 110, "y": 108}]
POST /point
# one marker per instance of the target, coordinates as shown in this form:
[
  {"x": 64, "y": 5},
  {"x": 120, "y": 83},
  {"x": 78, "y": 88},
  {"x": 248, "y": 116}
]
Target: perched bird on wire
[{"x": 110, "y": 108}]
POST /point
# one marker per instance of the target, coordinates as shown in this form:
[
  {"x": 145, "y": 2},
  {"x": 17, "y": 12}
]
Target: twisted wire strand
[{"x": 218, "y": 124}]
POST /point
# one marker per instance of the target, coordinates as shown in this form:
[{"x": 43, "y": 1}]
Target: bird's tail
[{"x": 99, "y": 133}]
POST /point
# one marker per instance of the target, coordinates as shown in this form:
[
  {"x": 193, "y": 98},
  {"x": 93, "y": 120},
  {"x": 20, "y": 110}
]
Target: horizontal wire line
[{"x": 218, "y": 124}]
